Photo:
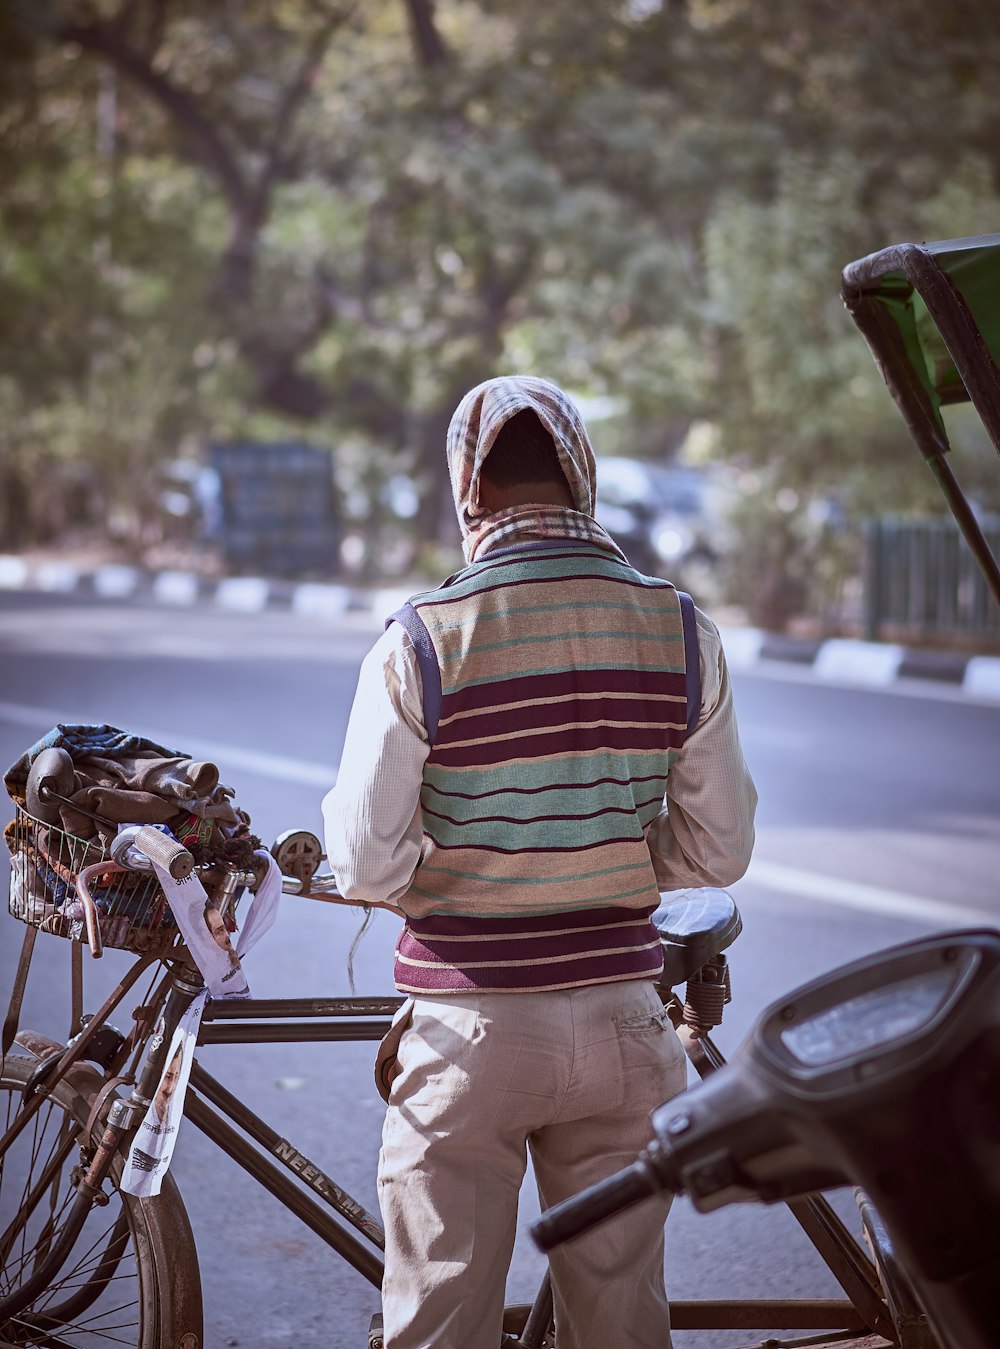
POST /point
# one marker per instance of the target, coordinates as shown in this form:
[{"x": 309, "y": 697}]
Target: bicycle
[{"x": 84, "y": 1262}]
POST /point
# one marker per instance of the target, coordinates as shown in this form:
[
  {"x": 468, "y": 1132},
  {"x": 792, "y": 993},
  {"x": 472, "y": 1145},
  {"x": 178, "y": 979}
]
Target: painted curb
[{"x": 841, "y": 660}]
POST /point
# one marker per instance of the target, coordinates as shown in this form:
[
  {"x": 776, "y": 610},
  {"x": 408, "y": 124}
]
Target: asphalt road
[{"x": 878, "y": 822}]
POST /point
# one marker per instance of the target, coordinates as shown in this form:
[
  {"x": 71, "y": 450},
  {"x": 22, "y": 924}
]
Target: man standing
[{"x": 536, "y": 750}]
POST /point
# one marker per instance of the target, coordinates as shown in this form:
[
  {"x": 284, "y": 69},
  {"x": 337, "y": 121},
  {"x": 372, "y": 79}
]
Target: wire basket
[{"x": 132, "y": 909}]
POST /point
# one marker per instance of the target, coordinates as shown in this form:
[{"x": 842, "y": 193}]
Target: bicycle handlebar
[
  {"x": 172, "y": 856},
  {"x": 645, "y": 1177},
  {"x": 160, "y": 848},
  {"x": 165, "y": 851},
  {"x": 323, "y": 887}
]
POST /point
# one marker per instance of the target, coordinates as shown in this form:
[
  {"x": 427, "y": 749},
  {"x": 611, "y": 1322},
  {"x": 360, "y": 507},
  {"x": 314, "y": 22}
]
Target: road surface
[{"x": 878, "y": 822}]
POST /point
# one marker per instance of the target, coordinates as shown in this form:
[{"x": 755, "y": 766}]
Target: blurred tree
[
  {"x": 101, "y": 283},
  {"x": 276, "y": 211}
]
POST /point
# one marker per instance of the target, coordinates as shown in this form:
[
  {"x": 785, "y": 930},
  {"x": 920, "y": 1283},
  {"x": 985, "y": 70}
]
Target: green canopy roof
[{"x": 931, "y": 315}]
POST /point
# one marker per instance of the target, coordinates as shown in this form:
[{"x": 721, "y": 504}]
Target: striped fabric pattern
[
  {"x": 471, "y": 433},
  {"x": 562, "y": 706},
  {"x": 527, "y": 955}
]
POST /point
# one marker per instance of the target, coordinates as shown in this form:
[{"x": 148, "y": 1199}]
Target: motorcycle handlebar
[{"x": 583, "y": 1211}]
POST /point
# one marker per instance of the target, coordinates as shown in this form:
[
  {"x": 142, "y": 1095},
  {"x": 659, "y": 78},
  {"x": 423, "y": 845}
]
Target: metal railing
[{"x": 921, "y": 581}]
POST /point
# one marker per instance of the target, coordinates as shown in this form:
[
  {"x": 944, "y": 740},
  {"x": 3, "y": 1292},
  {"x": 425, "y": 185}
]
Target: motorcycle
[{"x": 883, "y": 1074}]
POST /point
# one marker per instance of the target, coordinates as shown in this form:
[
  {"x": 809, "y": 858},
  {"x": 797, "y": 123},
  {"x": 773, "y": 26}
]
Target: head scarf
[{"x": 474, "y": 428}]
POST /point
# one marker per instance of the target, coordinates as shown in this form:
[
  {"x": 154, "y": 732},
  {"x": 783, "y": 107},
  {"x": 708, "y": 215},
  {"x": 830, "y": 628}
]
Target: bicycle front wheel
[{"x": 131, "y": 1277}]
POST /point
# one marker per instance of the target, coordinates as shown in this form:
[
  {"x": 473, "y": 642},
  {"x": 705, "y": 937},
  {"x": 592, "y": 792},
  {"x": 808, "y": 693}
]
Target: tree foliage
[{"x": 266, "y": 215}]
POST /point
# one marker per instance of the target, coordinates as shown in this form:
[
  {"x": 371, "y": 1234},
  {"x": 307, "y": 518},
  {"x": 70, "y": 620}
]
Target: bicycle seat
[{"x": 694, "y": 926}]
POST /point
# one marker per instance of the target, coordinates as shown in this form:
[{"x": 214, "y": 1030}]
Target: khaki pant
[{"x": 481, "y": 1077}]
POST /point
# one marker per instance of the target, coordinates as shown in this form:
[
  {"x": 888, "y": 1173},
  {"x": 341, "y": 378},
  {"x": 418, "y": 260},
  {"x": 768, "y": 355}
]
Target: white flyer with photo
[{"x": 220, "y": 964}]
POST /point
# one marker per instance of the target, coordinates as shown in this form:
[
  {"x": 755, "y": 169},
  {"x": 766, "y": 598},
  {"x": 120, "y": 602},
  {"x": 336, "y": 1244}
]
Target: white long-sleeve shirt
[{"x": 373, "y": 821}]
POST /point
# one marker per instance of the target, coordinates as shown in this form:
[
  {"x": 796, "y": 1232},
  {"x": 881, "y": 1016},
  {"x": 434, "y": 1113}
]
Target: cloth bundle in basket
[{"x": 116, "y": 778}]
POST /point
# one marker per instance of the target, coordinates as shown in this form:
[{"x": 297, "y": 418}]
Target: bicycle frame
[
  {"x": 307, "y": 1191},
  {"x": 273, "y": 1161},
  {"x": 263, "y": 1021}
]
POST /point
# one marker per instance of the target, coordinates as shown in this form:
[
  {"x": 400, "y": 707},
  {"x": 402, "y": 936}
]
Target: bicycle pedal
[{"x": 376, "y": 1337}]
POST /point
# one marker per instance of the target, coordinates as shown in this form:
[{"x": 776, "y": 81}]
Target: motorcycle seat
[{"x": 694, "y": 926}]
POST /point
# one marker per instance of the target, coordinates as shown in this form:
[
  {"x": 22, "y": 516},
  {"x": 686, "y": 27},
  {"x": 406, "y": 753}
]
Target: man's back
[
  {"x": 563, "y": 702},
  {"x": 509, "y": 782}
]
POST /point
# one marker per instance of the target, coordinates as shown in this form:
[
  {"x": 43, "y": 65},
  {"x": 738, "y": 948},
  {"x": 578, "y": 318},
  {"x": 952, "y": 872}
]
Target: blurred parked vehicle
[{"x": 668, "y": 520}]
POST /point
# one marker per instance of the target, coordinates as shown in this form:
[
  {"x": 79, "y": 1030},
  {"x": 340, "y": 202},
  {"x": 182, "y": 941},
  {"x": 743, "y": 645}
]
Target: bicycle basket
[
  {"x": 45, "y": 860},
  {"x": 81, "y": 775}
]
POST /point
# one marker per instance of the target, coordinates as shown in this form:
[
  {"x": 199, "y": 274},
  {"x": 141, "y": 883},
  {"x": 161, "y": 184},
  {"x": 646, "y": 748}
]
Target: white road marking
[
  {"x": 301, "y": 772},
  {"x": 869, "y": 898}
]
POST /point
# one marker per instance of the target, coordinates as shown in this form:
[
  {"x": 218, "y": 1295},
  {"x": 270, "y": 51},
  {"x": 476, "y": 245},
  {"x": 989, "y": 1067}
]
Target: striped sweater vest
[{"x": 555, "y": 700}]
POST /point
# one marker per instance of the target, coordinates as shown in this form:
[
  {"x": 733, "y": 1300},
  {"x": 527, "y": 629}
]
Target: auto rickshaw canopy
[{"x": 930, "y": 314}]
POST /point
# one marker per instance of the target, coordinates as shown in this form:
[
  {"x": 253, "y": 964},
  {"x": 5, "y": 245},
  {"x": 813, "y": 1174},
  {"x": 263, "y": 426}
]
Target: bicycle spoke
[
  {"x": 18, "y": 1228},
  {"x": 69, "y": 1286},
  {"x": 87, "y": 1322},
  {"x": 87, "y": 1268},
  {"x": 50, "y": 1179},
  {"x": 82, "y": 1270},
  {"x": 45, "y": 1339},
  {"x": 31, "y": 1195},
  {"x": 32, "y": 1254},
  {"x": 101, "y": 1325},
  {"x": 90, "y": 1258},
  {"x": 99, "y": 1261},
  {"x": 88, "y": 1331},
  {"x": 51, "y": 1176}
]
